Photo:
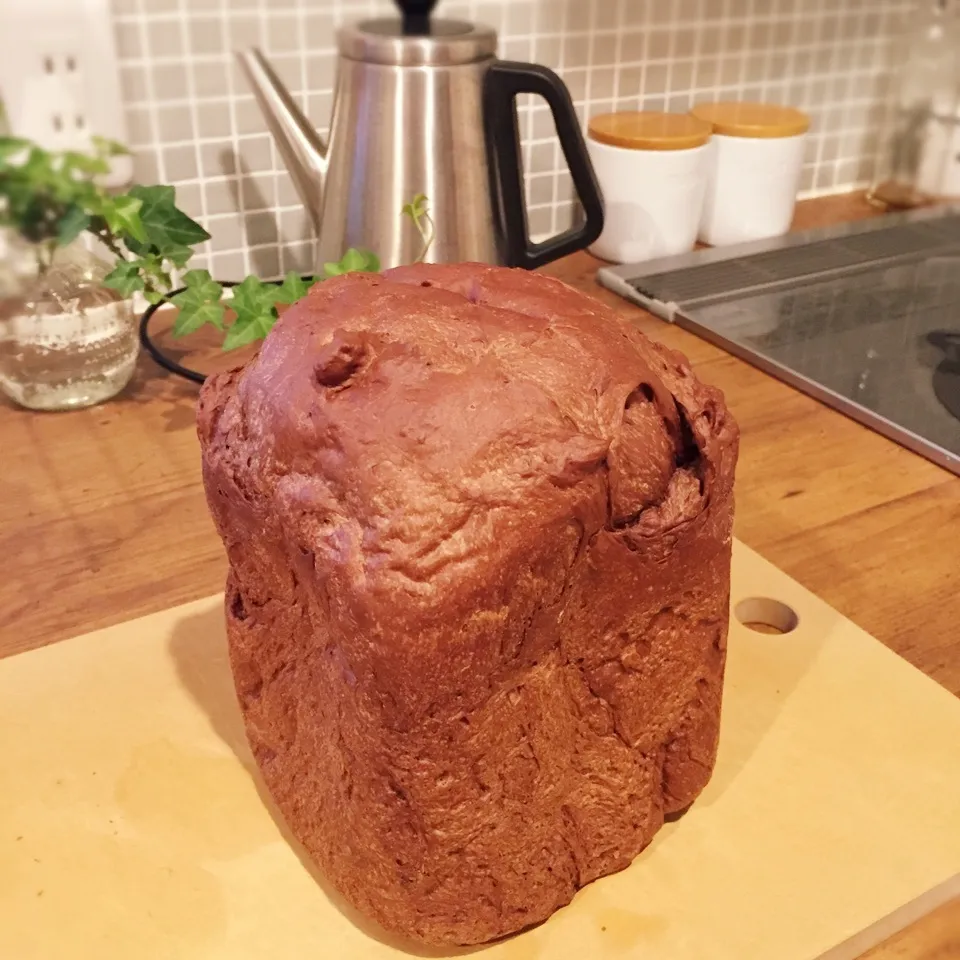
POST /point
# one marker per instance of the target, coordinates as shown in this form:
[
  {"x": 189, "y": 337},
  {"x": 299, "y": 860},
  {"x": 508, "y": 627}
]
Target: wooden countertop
[{"x": 102, "y": 517}]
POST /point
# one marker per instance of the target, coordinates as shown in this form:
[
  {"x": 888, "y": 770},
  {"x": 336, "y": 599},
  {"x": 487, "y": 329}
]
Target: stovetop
[{"x": 865, "y": 317}]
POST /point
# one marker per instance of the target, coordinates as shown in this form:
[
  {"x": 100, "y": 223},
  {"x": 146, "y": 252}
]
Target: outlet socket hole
[
  {"x": 71, "y": 64},
  {"x": 57, "y": 122},
  {"x": 78, "y": 122},
  {"x": 48, "y": 64}
]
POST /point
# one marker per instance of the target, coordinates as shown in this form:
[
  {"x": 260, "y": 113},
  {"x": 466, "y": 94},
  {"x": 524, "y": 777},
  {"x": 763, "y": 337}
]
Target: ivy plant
[
  {"x": 254, "y": 302},
  {"x": 51, "y": 198},
  {"x": 418, "y": 212}
]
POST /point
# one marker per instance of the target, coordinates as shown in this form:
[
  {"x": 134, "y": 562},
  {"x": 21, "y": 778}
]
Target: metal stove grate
[{"x": 712, "y": 282}]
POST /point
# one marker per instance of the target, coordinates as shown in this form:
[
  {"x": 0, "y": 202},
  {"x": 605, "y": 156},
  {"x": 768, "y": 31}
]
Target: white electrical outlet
[{"x": 59, "y": 80}]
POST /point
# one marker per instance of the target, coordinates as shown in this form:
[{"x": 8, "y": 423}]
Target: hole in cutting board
[{"x": 765, "y": 615}]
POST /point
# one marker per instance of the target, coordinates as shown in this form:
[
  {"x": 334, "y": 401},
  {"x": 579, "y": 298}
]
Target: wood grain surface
[{"x": 102, "y": 516}]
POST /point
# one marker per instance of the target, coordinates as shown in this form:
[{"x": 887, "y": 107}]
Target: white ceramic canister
[
  {"x": 652, "y": 168},
  {"x": 938, "y": 169},
  {"x": 758, "y": 155}
]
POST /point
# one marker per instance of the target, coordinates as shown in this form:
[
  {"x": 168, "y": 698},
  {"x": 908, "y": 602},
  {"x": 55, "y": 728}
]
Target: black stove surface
[
  {"x": 863, "y": 316},
  {"x": 946, "y": 378},
  {"x": 885, "y": 341}
]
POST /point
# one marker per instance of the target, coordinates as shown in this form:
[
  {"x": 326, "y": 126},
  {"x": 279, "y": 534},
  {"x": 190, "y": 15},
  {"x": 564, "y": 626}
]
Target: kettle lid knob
[
  {"x": 416, "y": 15},
  {"x": 416, "y": 40}
]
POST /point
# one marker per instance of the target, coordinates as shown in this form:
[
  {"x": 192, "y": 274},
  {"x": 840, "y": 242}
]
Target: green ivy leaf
[
  {"x": 254, "y": 303},
  {"x": 141, "y": 249},
  {"x": 91, "y": 166},
  {"x": 153, "y": 296},
  {"x": 416, "y": 208},
  {"x": 199, "y": 304},
  {"x": 195, "y": 313},
  {"x": 86, "y": 194},
  {"x": 17, "y": 195},
  {"x": 252, "y": 298},
  {"x": 292, "y": 288},
  {"x": 151, "y": 269},
  {"x": 122, "y": 214},
  {"x": 124, "y": 278},
  {"x": 178, "y": 256},
  {"x": 105, "y": 147},
  {"x": 353, "y": 261},
  {"x": 11, "y": 146},
  {"x": 160, "y": 195},
  {"x": 202, "y": 281},
  {"x": 165, "y": 226},
  {"x": 239, "y": 334},
  {"x": 38, "y": 166},
  {"x": 73, "y": 223}
]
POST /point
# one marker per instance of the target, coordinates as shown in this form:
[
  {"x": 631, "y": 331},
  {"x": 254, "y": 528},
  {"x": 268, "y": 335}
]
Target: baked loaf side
[{"x": 479, "y": 534}]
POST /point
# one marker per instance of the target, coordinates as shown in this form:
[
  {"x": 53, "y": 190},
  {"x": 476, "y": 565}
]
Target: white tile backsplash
[{"x": 192, "y": 121}]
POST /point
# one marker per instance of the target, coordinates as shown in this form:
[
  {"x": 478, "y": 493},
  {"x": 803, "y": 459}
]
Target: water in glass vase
[
  {"x": 68, "y": 342},
  {"x": 55, "y": 361}
]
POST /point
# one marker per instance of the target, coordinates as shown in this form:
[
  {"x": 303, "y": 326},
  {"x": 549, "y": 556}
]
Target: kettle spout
[{"x": 303, "y": 151}]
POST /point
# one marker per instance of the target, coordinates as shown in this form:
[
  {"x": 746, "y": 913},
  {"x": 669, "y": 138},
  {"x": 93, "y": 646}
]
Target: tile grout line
[
  {"x": 845, "y": 110},
  {"x": 235, "y": 143},
  {"x": 282, "y": 262},
  {"x": 833, "y": 49},
  {"x": 618, "y": 52},
  {"x": 263, "y": 20},
  {"x": 697, "y": 55},
  {"x": 767, "y": 70},
  {"x": 194, "y": 118},
  {"x": 645, "y": 56},
  {"x": 556, "y": 147},
  {"x": 153, "y": 110},
  {"x": 807, "y": 86}
]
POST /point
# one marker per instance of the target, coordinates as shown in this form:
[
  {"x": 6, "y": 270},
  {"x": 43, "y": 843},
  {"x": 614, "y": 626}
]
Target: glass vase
[{"x": 66, "y": 341}]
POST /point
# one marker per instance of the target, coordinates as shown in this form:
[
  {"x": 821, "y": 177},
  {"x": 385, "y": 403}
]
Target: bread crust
[{"x": 479, "y": 533}]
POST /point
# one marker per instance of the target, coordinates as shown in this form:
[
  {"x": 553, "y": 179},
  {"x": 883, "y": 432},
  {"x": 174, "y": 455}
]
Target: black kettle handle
[{"x": 503, "y": 81}]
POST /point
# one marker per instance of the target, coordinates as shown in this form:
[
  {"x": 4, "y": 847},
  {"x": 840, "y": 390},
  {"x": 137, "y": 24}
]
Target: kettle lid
[{"x": 442, "y": 43}]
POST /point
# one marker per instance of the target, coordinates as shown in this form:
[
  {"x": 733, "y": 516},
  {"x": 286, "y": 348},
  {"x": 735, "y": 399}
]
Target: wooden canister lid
[
  {"x": 647, "y": 130},
  {"x": 757, "y": 120}
]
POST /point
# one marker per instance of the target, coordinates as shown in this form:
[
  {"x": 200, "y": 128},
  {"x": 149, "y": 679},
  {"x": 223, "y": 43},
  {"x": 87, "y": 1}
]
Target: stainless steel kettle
[{"x": 424, "y": 106}]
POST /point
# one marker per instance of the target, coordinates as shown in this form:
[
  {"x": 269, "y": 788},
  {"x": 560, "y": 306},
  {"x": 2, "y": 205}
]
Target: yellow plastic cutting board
[{"x": 132, "y": 824}]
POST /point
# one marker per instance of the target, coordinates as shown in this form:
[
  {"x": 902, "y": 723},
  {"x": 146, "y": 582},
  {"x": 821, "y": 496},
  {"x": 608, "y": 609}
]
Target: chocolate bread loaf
[{"x": 479, "y": 534}]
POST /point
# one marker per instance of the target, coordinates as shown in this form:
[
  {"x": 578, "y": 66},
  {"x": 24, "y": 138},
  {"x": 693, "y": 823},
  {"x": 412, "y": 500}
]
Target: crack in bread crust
[{"x": 479, "y": 534}]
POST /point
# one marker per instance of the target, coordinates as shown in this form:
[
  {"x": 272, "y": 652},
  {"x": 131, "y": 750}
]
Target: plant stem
[
  {"x": 426, "y": 236},
  {"x": 111, "y": 244},
  {"x": 45, "y": 251}
]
